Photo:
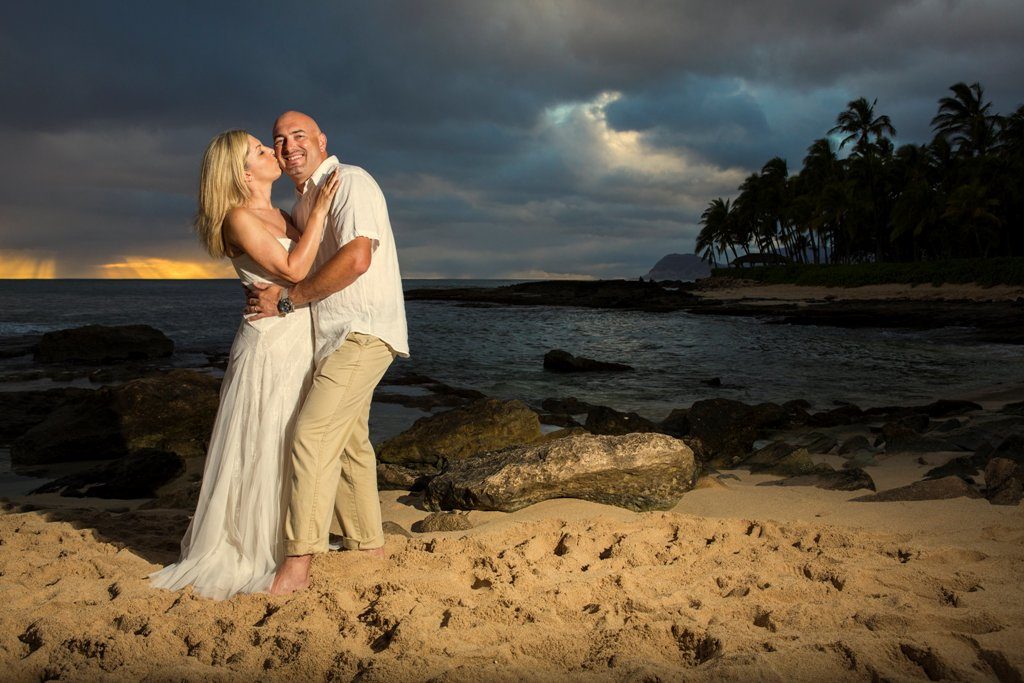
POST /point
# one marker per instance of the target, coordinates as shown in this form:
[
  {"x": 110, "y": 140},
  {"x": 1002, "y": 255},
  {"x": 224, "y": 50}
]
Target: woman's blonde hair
[{"x": 221, "y": 187}]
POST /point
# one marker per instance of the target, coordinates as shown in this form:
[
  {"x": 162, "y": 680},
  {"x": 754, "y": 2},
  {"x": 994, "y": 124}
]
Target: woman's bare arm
[{"x": 244, "y": 230}]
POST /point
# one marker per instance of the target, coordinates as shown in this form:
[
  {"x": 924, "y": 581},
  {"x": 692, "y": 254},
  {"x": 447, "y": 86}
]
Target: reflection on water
[{"x": 499, "y": 350}]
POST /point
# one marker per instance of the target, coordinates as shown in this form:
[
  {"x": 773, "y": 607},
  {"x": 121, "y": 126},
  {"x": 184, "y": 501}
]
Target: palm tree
[
  {"x": 774, "y": 204},
  {"x": 918, "y": 206},
  {"x": 965, "y": 121},
  {"x": 972, "y": 211},
  {"x": 820, "y": 171},
  {"x": 718, "y": 230},
  {"x": 860, "y": 124}
]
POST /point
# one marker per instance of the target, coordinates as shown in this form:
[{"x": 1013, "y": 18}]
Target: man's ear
[{"x": 323, "y": 143}]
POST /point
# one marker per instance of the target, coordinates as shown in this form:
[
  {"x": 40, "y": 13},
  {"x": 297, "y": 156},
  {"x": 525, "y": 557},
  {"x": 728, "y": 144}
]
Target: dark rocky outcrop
[
  {"x": 784, "y": 460},
  {"x": 931, "y": 489},
  {"x": 635, "y": 471},
  {"x": 567, "y": 406},
  {"x": 729, "y": 428},
  {"x": 947, "y": 408},
  {"x": 816, "y": 442},
  {"x": 991, "y": 321},
  {"x": 854, "y": 444},
  {"x": 964, "y": 467},
  {"x": 12, "y": 346},
  {"x": 481, "y": 426},
  {"x": 563, "y": 361},
  {"x": 171, "y": 412},
  {"x": 557, "y": 420},
  {"x": 843, "y": 415},
  {"x": 137, "y": 475},
  {"x": 604, "y": 420},
  {"x": 899, "y": 438},
  {"x": 22, "y": 410},
  {"x": 1011, "y": 448},
  {"x": 677, "y": 423},
  {"x": 101, "y": 344}
]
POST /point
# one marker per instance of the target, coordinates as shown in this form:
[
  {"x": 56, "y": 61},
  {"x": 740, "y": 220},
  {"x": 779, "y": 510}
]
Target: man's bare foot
[
  {"x": 373, "y": 552},
  {"x": 292, "y": 575}
]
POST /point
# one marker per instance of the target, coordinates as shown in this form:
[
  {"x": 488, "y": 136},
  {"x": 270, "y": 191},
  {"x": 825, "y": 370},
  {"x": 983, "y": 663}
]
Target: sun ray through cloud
[
  {"x": 150, "y": 268},
  {"x": 19, "y": 265}
]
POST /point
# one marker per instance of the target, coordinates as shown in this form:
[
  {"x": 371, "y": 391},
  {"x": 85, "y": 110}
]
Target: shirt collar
[{"x": 323, "y": 169}]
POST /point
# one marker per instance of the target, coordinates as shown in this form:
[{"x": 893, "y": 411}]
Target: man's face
[{"x": 299, "y": 144}]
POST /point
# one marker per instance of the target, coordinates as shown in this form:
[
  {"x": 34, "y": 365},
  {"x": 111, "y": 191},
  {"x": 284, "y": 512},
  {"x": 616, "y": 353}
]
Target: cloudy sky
[{"x": 512, "y": 138}]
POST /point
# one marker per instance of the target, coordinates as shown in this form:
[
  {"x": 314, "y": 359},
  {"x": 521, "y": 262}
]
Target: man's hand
[{"x": 261, "y": 301}]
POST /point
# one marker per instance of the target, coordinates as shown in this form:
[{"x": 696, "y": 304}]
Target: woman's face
[{"x": 260, "y": 162}]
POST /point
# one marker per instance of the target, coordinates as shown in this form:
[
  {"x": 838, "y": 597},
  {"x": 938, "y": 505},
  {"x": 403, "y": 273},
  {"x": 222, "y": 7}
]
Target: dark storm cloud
[{"x": 568, "y": 137}]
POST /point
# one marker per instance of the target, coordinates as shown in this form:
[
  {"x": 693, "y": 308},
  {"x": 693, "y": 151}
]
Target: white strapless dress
[{"x": 234, "y": 541}]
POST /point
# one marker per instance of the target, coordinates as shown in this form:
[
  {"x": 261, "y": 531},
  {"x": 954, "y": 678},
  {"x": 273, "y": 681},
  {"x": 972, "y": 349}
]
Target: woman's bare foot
[{"x": 292, "y": 575}]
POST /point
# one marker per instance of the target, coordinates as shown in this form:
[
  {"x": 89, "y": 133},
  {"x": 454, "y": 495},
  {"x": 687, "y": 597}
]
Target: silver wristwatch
[{"x": 284, "y": 304}]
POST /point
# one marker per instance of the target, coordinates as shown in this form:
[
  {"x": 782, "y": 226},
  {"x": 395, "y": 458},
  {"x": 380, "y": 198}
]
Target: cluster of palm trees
[{"x": 961, "y": 195}]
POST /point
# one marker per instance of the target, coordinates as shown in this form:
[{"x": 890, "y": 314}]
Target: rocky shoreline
[
  {"x": 147, "y": 437},
  {"x": 989, "y": 321}
]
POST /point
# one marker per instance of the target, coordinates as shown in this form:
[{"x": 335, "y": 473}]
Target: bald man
[{"x": 359, "y": 320}]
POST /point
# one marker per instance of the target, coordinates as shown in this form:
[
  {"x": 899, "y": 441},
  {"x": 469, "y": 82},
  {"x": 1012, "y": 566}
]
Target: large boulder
[
  {"x": 635, "y": 471},
  {"x": 170, "y": 412},
  {"x": 99, "y": 344},
  {"x": 563, "y": 361},
  {"x": 481, "y": 426}
]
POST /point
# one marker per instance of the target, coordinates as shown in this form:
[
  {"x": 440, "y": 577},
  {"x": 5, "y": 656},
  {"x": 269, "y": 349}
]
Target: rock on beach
[
  {"x": 635, "y": 471},
  {"x": 99, "y": 344},
  {"x": 484, "y": 425}
]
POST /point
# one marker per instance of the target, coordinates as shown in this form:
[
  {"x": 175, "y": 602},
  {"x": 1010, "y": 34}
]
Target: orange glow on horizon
[
  {"x": 18, "y": 265},
  {"x": 150, "y": 268}
]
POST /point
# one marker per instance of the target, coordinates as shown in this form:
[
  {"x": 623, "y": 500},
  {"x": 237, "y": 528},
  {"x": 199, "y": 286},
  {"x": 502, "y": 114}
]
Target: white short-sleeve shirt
[{"x": 374, "y": 303}]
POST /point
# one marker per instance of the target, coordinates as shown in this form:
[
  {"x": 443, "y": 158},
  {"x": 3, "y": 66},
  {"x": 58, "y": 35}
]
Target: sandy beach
[{"x": 739, "y": 581}]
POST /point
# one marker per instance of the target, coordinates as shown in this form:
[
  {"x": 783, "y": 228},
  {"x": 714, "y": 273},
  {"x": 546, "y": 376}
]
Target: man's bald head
[{"x": 300, "y": 145}]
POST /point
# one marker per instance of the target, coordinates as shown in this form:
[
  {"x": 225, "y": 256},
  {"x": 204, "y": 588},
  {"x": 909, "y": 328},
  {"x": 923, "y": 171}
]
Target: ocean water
[{"x": 499, "y": 350}]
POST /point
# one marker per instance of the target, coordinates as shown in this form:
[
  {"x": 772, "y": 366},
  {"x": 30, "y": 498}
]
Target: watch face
[{"x": 285, "y": 306}]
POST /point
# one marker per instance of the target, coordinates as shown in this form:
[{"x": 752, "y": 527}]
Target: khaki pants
[{"x": 334, "y": 468}]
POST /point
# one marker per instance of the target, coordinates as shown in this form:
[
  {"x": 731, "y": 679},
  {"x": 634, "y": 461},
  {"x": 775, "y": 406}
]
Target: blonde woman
[{"x": 233, "y": 544}]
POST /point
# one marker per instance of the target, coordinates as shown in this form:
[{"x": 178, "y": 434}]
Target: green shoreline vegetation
[
  {"x": 985, "y": 272},
  {"x": 961, "y": 196}
]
